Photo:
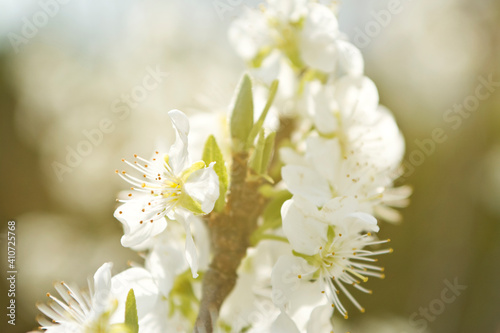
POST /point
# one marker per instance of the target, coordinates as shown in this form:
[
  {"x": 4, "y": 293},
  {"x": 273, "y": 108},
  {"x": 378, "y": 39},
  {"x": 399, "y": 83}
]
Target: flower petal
[
  {"x": 186, "y": 218},
  {"x": 306, "y": 182},
  {"x": 145, "y": 291},
  {"x": 102, "y": 287},
  {"x": 321, "y": 319},
  {"x": 130, "y": 215},
  {"x": 304, "y": 231},
  {"x": 203, "y": 186},
  {"x": 321, "y": 108},
  {"x": 284, "y": 324},
  {"x": 178, "y": 153},
  {"x": 350, "y": 58},
  {"x": 164, "y": 262},
  {"x": 317, "y": 43},
  {"x": 285, "y": 279}
]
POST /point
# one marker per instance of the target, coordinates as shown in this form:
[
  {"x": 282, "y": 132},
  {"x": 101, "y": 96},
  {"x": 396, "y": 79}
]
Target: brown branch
[
  {"x": 230, "y": 236},
  {"x": 230, "y": 231}
]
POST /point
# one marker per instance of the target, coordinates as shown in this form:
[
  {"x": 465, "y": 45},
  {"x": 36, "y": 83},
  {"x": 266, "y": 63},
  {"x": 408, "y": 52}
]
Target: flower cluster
[
  {"x": 296, "y": 215},
  {"x": 339, "y": 168}
]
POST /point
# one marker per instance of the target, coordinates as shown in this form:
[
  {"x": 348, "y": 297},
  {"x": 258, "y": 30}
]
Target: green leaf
[
  {"x": 272, "y": 212},
  {"x": 256, "y": 158},
  {"x": 212, "y": 153},
  {"x": 241, "y": 122},
  {"x": 131, "y": 319},
  {"x": 261, "y": 156},
  {"x": 268, "y": 151},
  {"x": 258, "y": 125}
]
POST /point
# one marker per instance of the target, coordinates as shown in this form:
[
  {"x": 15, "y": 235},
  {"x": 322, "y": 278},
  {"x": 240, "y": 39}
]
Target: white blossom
[
  {"x": 167, "y": 186},
  {"x": 80, "y": 311},
  {"x": 330, "y": 251}
]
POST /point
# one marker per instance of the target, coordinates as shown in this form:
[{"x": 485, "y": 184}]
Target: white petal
[
  {"x": 322, "y": 59},
  {"x": 388, "y": 214},
  {"x": 164, "y": 262},
  {"x": 250, "y": 34},
  {"x": 203, "y": 186},
  {"x": 201, "y": 234},
  {"x": 286, "y": 9},
  {"x": 102, "y": 287},
  {"x": 267, "y": 72},
  {"x": 356, "y": 96},
  {"x": 306, "y": 182},
  {"x": 136, "y": 233},
  {"x": 325, "y": 155},
  {"x": 321, "y": 319},
  {"x": 364, "y": 221},
  {"x": 145, "y": 291},
  {"x": 350, "y": 58},
  {"x": 304, "y": 231},
  {"x": 321, "y": 108},
  {"x": 317, "y": 43},
  {"x": 285, "y": 280},
  {"x": 290, "y": 156},
  {"x": 191, "y": 251},
  {"x": 284, "y": 324},
  {"x": 178, "y": 153},
  {"x": 384, "y": 142},
  {"x": 340, "y": 207}
]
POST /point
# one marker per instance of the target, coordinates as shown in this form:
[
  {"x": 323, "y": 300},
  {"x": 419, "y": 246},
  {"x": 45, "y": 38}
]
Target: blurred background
[{"x": 99, "y": 77}]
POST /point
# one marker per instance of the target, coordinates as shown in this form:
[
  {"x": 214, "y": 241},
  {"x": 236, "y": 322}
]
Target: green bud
[{"x": 241, "y": 121}]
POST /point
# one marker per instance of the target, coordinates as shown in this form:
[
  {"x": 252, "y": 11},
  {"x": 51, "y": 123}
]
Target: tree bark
[{"x": 230, "y": 233}]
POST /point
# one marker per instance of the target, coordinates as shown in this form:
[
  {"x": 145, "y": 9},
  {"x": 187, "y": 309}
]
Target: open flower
[
  {"x": 78, "y": 311},
  {"x": 329, "y": 251},
  {"x": 349, "y": 110},
  {"x": 304, "y": 33},
  {"x": 325, "y": 172},
  {"x": 167, "y": 185}
]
